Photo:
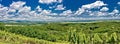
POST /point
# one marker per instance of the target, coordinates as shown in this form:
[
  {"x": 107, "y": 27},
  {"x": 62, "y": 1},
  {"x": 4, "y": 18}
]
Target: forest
[{"x": 60, "y": 33}]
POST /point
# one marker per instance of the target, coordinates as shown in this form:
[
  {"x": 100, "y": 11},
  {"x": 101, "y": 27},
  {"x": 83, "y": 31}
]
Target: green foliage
[
  {"x": 97, "y": 38},
  {"x": 76, "y": 33},
  {"x": 72, "y": 36},
  {"x": 113, "y": 38},
  {"x": 11, "y": 38},
  {"x": 2, "y": 26},
  {"x": 114, "y": 35}
]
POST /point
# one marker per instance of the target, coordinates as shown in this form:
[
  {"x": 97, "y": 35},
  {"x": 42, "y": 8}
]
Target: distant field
[{"x": 66, "y": 32}]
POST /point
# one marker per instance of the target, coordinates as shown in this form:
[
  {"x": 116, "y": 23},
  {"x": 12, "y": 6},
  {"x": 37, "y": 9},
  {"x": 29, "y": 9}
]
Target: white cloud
[
  {"x": 45, "y": 12},
  {"x": 24, "y": 12},
  {"x": 19, "y": 11},
  {"x": 115, "y": 11},
  {"x": 104, "y": 9},
  {"x": 3, "y": 9},
  {"x": 118, "y": 3},
  {"x": 17, "y": 5},
  {"x": 60, "y": 7},
  {"x": 47, "y": 1},
  {"x": 1, "y": 5},
  {"x": 87, "y": 7},
  {"x": 98, "y": 13},
  {"x": 53, "y": 14},
  {"x": 38, "y": 9},
  {"x": 96, "y": 4},
  {"x": 66, "y": 13},
  {"x": 60, "y": 1},
  {"x": 11, "y": 10},
  {"x": 51, "y": 7},
  {"x": 25, "y": 9},
  {"x": 79, "y": 11},
  {"x": 50, "y": 1}
]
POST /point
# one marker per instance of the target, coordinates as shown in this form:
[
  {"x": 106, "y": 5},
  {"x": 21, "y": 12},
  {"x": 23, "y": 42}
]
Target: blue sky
[
  {"x": 70, "y": 4},
  {"x": 57, "y": 10}
]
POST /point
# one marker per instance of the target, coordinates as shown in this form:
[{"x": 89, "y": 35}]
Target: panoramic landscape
[{"x": 59, "y": 22}]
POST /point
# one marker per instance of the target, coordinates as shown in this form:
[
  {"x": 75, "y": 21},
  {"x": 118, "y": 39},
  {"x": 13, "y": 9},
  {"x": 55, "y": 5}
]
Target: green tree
[
  {"x": 72, "y": 36},
  {"x": 114, "y": 38},
  {"x": 2, "y": 27},
  {"x": 97, "y": 39}
]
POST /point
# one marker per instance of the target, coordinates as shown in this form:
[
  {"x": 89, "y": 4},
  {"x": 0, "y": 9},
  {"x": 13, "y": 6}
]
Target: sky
[{"x": 59, "y": 10}]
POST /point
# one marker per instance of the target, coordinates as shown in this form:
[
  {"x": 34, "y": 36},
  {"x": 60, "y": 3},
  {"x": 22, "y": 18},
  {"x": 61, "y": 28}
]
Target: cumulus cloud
[
  {"x": 87, "y": 7},
  {"x": 49, "y": 1},
  {"x": 66, "y": 13},
  {"x": 79, "y": 11},
  {"x": 118, "y": 3},
  {"x": 45, "y": 12},
  {"x": 38, "y": 9},
  {"x": 1, "y": 5},
  {"x": 98, "y": 13},
  {"x": 104, "y": 9},
  {"x": 115, "y": 11},
  {"x": 17, "y": 5},
  {"x": 19, "y": 11},
  {"x": 3, "y": 13},
  {"x": 96, "y": 4},
  {"x": 60, "y": 7},
  {"x": 11, "y": 10},
  {"x": 25, "y": 9}
]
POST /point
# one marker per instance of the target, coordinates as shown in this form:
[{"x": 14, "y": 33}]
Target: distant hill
[{"x": 40, "y": 22}]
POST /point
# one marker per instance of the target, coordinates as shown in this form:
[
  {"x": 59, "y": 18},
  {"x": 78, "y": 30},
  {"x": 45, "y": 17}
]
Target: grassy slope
[{"x": 10, "y": 38}]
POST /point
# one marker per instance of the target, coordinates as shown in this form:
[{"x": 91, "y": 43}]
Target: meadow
[{"x": 60, "y": 33}]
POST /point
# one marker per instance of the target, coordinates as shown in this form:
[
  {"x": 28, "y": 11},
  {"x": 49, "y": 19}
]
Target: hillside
[
  {"x": 63, "y": 33},
  {"x": 11, "y": 38}
]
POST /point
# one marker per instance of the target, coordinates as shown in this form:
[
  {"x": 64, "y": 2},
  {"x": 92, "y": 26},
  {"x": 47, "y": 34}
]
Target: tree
[
  {"x": 113, "y": 38},
  {"x": 97, "y": 39},
  {"x": 2, "y": 27},
  {"x": 72, "y": 36}
]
